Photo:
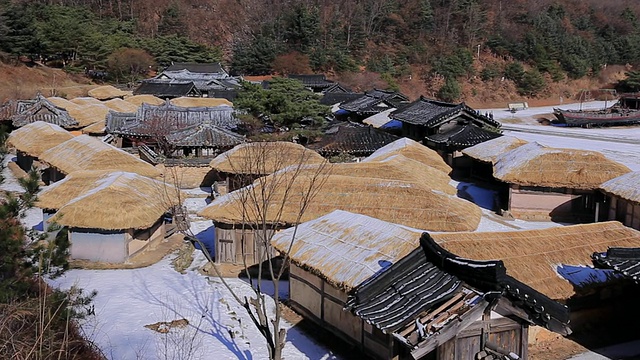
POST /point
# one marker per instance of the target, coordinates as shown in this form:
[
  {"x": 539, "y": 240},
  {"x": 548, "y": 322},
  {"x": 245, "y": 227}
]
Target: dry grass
[{"x": 38, "y": 137}]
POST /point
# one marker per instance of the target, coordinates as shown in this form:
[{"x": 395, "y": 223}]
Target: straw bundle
[
  {"x": 37, "y": 137},
  {"x": 536, "y": 165},
  {"x": 113, "y": 201},
  {"x": 200, "y": 102},
  {"x": 262, "y": 158},
  {"x": 405, "y": 203},
  {"x": 120, "y": 105},
  {"x": 89, "y": 114},
  {"x": 413, "y": 150},
  {"x": 86, "y": 153},
  {"x": 626, "y": 186},
  {"x": 107, "y": 92},
  {"x": 532, "y": 256},
  {"x": 396, "y": 167},
  {"x": 138, "y": 100},
  {"x": 346, "y": 249},
  {"x": 83, "y": 101},
  {"x": 62, "y": 103},
  {"x": 488, "y": 151}
]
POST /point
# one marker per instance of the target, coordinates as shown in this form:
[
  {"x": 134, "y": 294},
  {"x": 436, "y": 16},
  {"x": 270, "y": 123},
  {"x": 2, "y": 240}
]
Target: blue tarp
[
  {"x": 208, "y": 238},
  {"x": 584, "y": 276},
  {"x": 341, "y": 112},
  {"x": 393, "y": 124}
]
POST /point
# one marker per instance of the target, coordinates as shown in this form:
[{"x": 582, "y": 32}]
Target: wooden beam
[{"x": 432, "y": 314}]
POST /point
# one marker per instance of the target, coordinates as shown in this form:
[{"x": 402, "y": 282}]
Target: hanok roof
[
  {"x": 41, "y": 109},
  {"x": 167, "y": 89},
  {"x": 402, "y": 202},
  {"x": 352, "y": 139},
  {"x": 374, "y": 101},
  {"x": 413, "y": 150},
  {"x": 536, "y": 165},
  {"x": 37, "y": 137},
  {"x": 431, "y": 113},
  {"x": 532, "y": 256},
  {"x": 107, "y": 92},
  {"x": 489, "y": 150},
  {"x": 461, "y": 136},
  {"x": 379, "y": 119},
  {"x": 331, "y": 98},
  {"x": 205, "y": 135},
  {"x": 86, "y": 153},
  {"x": 623, "y": 260},
  {"x": 314, "y": 81},
  {"x": 625, "y": 186},
  {"x": 209, "y": 68},
  {"x": 100, "y": 198},
  {"x": 263, "y": 158},
  {"x": 336, "y": 88}
]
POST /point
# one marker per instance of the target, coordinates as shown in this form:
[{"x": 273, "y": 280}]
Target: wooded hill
[{"x": 537, "y": 42}]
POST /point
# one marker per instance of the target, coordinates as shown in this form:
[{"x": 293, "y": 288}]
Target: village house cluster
[{"x": 386, "y": 254}]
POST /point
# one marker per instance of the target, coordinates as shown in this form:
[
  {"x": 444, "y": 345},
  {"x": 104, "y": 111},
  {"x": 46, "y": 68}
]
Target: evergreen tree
[
  {"x": 450, "y": 91},
  {"x": 254, "y": 57}
]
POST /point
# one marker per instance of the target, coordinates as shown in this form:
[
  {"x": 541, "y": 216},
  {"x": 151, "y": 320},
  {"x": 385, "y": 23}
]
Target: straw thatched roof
[
  {"x": 62, "y": 103},
  {"x": 532, "y": 256},
  {"x": 413, "y": 150},
  {"x": 95, "y": 129},
  {"x": 83, "y": 101},
  {"x": 262, "y": 158},
  {"x": 396, "y": 167},
  {"x": 75, "y": 184},
  {"x": 111, "y": 201},
  {"x": 89, "y": 114},
  {"x": 37, "y": 137},
  {"x": 87, "y": 153},
  {"x": 488, "y": 151},
  {"x": 144, "y": 99},
  {"x": 107, "y": 92},
  {"x": 120, "y": 105},
  {"x": 536, "y": 165},
  {"x": 200, "y": 102},
  {"x": 406, "y": 203},
  {"x": 346, "y": 249},
  {"x": 626, "y": 186}
]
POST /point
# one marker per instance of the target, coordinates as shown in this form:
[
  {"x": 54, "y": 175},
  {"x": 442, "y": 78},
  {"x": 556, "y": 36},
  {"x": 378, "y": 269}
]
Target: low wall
[
  {"x": 545, "y": 206},
  {"x": 98, "y": 246}
]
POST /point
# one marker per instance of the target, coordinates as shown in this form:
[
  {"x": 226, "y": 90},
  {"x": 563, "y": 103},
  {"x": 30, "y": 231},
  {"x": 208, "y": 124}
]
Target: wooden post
[{"x": 597, "y": 217}]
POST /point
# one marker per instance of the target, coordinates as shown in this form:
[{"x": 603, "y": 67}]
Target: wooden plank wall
[{"x": 229, "y": 245}]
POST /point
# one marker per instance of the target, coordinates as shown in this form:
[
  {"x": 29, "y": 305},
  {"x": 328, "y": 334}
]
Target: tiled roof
[
  {"x": 166, "y": 88},
  {"x": 356, "y": 140},
  {"x": 196, "y": 67},
  {"x": 374, "y": 101},
  {"x": 623, "y": 260},
  {"x": 463, "y": 136},
  {"x": 314, "y": 80},
  {"x": 429, "y": 113},
  {"x": 205, "y": 135},
  {"x": 41, "y": 109}
]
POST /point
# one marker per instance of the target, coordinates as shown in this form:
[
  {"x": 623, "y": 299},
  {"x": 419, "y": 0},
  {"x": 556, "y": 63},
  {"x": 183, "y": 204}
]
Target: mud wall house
[
  {"x": 110, "y": 216},
  {"x": 560, "y": 184},
  {"x": 482, "y": 157},
  {"x": 445, "y": 127},
  {"x": 354, "y": 140},
  {"x": 371, "y": 192},
  {"x": 86, "y": 153},
  {"x": 622, "y": 201},
  {"x": 371, "y": 103},
  {"x": 31, "y": 140},
  {"x": 373, "y": 284}
]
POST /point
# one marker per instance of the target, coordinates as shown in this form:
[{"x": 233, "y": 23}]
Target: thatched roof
[
  {"x": 396, "y": 167},
  {"x": 536, "y": 165},
  {"x": 95, "y": 129},
  {"x": 532, "y": 256},
  {"x": 111, "y": 201},
  {"x": 405, "y": 203},
  {"x": 89, "y": 114},
  {"x": 413, "y": 150},
  {"x": 25, "y": 112},
  {"x": 200, "y": 102},
  {"x": 346, "y": 249},
  {"x": 62, "y": 103},
  {"x": 107, "y": 92},
  {"x": 144, "y": 99},
  {"x": 37, "y": 137},
  {"x": 488, "y": 151},
  {"x": 87, "y": 153},
  {"x": 120, "y": 105},
  {"x": 262, "y": 158},
  {"x": 83, "y": 101},
  {"x": 626, "y": 186}
]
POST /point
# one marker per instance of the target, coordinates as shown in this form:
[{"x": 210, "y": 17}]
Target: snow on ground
[
  {"x": 218, "y": 327},
  {"x": 195, "y": 204},
  {"x": 504, "y": 113},
  {"x": 620, "y": 351},
  {"x": 10, "y": 182}
]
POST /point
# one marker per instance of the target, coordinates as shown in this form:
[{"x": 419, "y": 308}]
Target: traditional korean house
[
  {"x": 412, "y": 150},
  {"x": 167, "y": 89},
  {"x": 315, "y": 82},
  {"x": 86, "y": 153},
  {"x": 481, "y": 157},
  {"x": 211, "y": 80},
  {"x": 380, "y": 287},
  {"x": 200, "y": 102},
  {"x": 31, "y": 140},
  {"x": 371, "y": 103},
  {"x": 110, "y": 216},
  {"x": 622, "y": 201},
  {"x": 108, "y": 92},
  {"x": 22, "y": 112},
  {"x": 445, "y": 127},
  {"x": 408, "y": 203},
  {"x": 138, "y": 100},
  {"x": 560, "y": 184},
  {"x": 203, "y": 140},
  {"x": 351, "y": 139},
  {"x": 200, "y": 68},
  {"x": 337, "y": 98},
  {"x": 624, "y": 261}
]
